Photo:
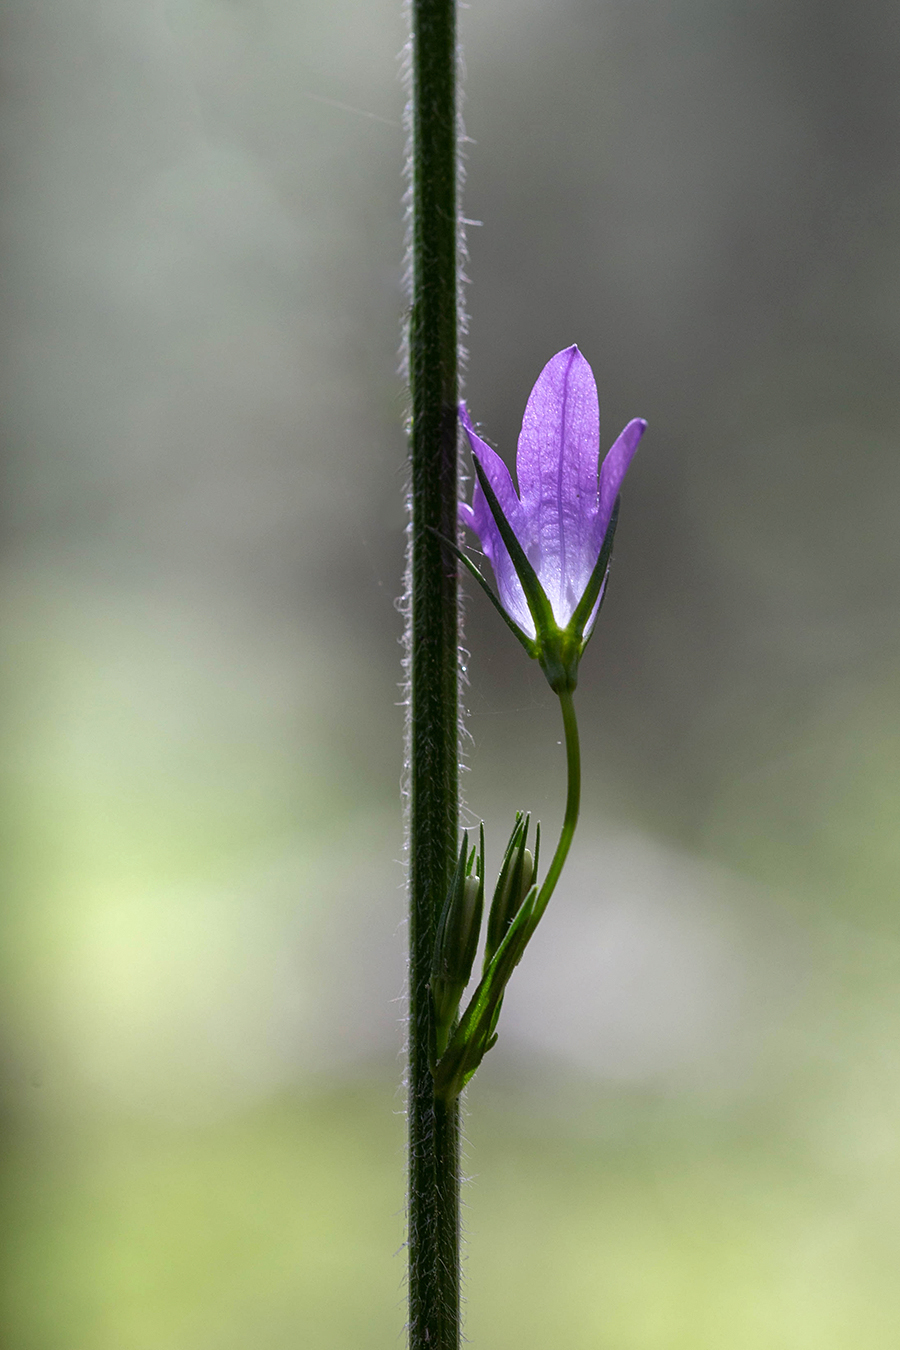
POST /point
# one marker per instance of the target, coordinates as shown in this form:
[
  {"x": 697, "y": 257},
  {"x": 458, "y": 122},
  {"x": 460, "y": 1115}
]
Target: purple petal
[
  {"x": 479, "y": 517},
  {"x": 497, "y": 473},
  {"x": 612, "y": 472},
  {"x": 557, "y": 467}
]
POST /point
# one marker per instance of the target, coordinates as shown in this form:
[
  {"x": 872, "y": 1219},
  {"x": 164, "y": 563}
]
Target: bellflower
[{"x": 549, "y": 544}]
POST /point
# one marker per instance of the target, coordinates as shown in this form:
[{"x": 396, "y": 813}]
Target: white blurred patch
[{"x": 642, "y": 969}]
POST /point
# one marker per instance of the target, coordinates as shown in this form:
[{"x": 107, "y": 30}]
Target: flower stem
[
  {"x": 475, "y": 1033},
  {"x": 433, "y": 637},
  {"x": 573, "y": 804}
]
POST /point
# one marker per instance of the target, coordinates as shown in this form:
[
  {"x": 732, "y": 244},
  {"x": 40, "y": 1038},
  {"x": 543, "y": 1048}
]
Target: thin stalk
[
  {"x": 433, "y": 636},
  {"x": 573, "y": 805}
]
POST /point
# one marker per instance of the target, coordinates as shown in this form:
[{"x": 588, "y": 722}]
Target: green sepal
[
  {"x": 536, "y": 596},
  {"x": 528, "y": 643},
  {"x": 583, "y": 609},
  {"x": 561, "y": 649}
]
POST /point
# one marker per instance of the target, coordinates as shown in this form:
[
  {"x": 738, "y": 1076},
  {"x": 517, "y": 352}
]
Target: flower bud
[
  {"x": 456, "y": 940},
  {"x": 516, "y": 878}
]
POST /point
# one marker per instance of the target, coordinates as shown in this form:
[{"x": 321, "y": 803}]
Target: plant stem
[
  {"x": 434, "y": 1175},
  {"x": 573, "y": 804}
]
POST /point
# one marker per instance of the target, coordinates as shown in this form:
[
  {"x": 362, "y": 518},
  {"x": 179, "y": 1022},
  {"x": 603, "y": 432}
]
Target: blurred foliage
[{"x": 687, "y": 1135}]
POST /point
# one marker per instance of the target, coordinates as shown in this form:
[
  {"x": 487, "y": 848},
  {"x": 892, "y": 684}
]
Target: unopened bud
[
  {"x": 456, "y": 940},
  {"x": 516, "y": 878}
]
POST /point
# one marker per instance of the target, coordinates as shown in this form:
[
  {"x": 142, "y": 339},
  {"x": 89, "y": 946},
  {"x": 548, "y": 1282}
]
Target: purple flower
[{"x": 546, "y": 542}]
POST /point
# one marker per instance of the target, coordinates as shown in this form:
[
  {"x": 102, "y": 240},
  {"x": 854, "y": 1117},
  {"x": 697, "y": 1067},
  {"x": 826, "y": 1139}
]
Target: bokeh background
[{"x": 687, "y": 1136}]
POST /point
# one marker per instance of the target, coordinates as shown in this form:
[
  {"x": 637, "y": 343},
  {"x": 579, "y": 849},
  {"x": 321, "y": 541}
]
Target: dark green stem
[
  {"x": 434, "y": 1175},
  {"x": 573, "y": 805}
]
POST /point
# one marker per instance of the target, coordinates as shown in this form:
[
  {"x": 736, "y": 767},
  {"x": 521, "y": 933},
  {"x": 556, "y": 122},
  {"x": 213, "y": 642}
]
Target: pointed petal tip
[
  {"x": 567, "y": 356},
  {"x": 629, "y": 437},
  {"x": 613, "y": 471},
  {"x": 565, "y": 373},
  {"x": 634, "y": 431},
  {"x": 475, "y": 441}
]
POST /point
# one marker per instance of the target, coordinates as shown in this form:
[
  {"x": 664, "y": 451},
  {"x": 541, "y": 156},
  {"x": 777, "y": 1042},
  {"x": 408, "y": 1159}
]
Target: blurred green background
[{"x": 687, "y": 1136}]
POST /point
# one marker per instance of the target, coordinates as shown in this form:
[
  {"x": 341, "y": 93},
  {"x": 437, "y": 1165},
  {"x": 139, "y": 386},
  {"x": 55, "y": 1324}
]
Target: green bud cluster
[{"x": 460, "y": 1043}]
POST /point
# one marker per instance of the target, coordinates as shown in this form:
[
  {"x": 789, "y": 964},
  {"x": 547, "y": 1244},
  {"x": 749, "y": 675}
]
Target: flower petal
[
  {"x": 479, "y": 518},
  {"x": 557, "y": 458},
  {"x": 612, "y": 472}
]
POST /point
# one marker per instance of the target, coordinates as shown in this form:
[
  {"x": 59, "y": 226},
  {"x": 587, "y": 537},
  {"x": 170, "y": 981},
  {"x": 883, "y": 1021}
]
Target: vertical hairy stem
[{"x": 434, "y": 1303}]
